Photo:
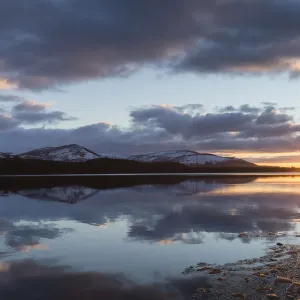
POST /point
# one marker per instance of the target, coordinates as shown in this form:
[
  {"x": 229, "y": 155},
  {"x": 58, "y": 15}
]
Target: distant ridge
[
  {"x": 190, "y": 158},
  {"x": 77, "y": 153}
]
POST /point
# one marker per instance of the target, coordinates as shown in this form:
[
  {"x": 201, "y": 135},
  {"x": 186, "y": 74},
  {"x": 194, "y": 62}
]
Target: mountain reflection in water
[{"x": 149, "y": 229}]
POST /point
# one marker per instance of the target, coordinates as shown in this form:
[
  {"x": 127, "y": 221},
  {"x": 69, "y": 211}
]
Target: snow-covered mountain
[
  {"x": 190, "y": 158},
  {"x": 113, "y": 156},
  {"x": 74, "y": 153},
  {"x": 71, "y": 153}
]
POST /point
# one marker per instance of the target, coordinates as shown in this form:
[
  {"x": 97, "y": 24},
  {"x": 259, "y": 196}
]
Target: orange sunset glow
[{"x": 280, "y": 159}]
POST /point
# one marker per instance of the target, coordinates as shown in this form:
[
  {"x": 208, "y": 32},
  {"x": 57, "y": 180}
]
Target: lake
[{"x": 130, "y": 238}]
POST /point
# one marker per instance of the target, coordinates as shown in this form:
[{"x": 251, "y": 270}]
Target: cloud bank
[
  {"x": 265, "y": 128},
  {"x": 51, "y": 43}
]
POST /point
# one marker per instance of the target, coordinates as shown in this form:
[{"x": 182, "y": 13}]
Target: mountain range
[{"x": 76, "y": 153}]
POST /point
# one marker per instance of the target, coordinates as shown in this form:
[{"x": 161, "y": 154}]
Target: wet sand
[{"x": 276, "y": 275}]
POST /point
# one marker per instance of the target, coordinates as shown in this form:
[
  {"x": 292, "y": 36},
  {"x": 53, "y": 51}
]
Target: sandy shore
[{"x": 273, "y": 276}]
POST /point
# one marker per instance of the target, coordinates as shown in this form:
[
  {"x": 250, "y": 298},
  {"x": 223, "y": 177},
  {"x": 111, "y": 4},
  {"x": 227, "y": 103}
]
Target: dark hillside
[{"x": 19, "y": 166}]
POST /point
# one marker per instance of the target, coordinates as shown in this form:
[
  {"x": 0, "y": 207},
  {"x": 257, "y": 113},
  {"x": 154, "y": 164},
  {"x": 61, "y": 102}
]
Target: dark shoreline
[
  {"x": 17, "y": 166},
  {"x": 104, "y": 182},
  {"x": 13, "y": 183}
]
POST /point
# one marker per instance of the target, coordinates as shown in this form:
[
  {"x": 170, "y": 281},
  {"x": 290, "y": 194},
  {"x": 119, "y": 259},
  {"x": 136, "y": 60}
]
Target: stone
[
  {"x": 283, "y": 279},
  {"x": 238, "y": 295},
  {"x": 259, "y": 274},
  {"x": 272, "y": 296}
]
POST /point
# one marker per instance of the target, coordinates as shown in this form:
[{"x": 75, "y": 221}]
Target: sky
[{"x": 131, "y": 76}]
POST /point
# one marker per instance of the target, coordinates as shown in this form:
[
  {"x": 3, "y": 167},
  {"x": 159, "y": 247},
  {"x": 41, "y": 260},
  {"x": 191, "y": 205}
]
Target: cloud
[
  {"x": 89, "y": 39},
  {"x": 157, "y": 128},
  {"x": 7, "y": 122},
  {"x": 30, "y": 106},
  {"x": 245, "y": 108},
  {"x": 32, "y": 118},
  {"x": 188, "y": 126},
  {"x": 10, "y": 98},
  {"x": 227, "y": 123},
  {"x": 28, "y": 113}
]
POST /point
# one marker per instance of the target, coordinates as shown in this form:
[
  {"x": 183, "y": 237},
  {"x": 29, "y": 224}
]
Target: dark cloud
[
  {"x": 58, "y": 42},
  {"x": 10, "y": 98},
  {"x": 7, "y": 122},
  {"x": 31, "y": 112},
  {"x": 28, "y": 113},
  {"x": 29, "y": 106},
  {"x": 32, "y": 118},
  {"x": 187, "y": 125}
]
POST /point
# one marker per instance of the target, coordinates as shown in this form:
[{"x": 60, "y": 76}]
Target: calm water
[{"x": 100, "y": 239}]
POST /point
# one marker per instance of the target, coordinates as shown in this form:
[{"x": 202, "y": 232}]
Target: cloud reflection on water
[
  {"x": 181, "y": 212},
  {"x": 48, "y": 280},
  {"x": 151, "y": 217},
  {"x": 26, "y": 237}
]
